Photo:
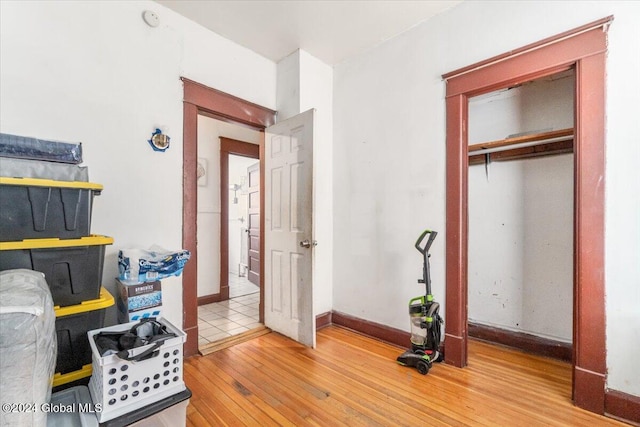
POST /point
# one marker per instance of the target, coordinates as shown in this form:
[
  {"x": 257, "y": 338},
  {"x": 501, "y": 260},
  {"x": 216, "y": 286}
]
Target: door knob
[{"x": 307, "y": 244}]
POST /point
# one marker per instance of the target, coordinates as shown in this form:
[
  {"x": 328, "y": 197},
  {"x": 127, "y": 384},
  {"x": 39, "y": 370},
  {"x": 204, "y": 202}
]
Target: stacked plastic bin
[{"x": 45, "y": 225}]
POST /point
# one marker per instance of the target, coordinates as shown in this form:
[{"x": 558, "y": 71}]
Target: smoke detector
[{"x": 151, "y": 18}]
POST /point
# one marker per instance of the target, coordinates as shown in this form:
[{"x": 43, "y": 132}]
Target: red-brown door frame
[
  {"x": 228, "y": 147},
  {"x": 583, "y": 49},
  {"x": 200, "y": 99}
]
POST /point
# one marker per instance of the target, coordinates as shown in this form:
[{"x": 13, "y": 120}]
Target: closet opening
[
  {"x": 582, "y": 49},
  {"x": 520, "y": 253}
]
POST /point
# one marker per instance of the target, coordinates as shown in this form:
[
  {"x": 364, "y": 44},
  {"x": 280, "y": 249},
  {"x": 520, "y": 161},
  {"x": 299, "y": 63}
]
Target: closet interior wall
[{"x": 521, "y": 214}]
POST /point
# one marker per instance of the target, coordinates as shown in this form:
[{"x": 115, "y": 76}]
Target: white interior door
[{"x": 288, "y": 258}]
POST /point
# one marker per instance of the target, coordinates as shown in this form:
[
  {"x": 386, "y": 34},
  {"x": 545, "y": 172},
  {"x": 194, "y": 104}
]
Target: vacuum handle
[{"x": 432, "y": 236}]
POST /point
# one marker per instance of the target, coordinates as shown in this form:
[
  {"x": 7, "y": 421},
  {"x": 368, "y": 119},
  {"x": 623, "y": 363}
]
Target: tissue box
[{"x": 138, "y": 300}]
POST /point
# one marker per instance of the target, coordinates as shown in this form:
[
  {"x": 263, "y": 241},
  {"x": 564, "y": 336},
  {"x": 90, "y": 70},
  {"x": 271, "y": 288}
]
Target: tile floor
[
  {"x": 220, "y": 320},
  {"x": 241, "y": 286}
]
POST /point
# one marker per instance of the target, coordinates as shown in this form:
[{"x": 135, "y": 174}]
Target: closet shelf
[
  {"x": 522, "y": 147},
  {"x": 529, "y": 140}
]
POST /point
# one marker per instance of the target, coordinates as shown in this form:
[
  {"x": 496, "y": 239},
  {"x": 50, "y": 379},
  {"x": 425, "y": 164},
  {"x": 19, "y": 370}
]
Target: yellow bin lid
[
  {"x": 38, "y": 182},
  {"x": 92, "y": 240},
  {"x": 84, "y": 372},
  {"x": 105, "y": 300}
]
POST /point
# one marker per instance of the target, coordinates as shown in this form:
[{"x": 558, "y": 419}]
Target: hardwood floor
[{"x": 352, "y": 380}]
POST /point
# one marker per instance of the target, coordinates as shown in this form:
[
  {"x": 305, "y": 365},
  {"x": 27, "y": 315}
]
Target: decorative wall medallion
[{"x": 201, "y": 172}]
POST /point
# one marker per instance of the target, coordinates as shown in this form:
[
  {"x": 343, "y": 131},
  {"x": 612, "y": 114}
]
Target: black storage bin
[
  {"x": 72, "y": 324},
  {"x": 72, "y": 268},
  {"x": 72, "y": 379},
  {"x": 34, "y": 208}
]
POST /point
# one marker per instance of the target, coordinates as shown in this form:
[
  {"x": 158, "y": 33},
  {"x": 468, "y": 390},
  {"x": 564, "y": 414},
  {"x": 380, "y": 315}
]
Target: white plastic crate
[{"x": 123, "y": 386}]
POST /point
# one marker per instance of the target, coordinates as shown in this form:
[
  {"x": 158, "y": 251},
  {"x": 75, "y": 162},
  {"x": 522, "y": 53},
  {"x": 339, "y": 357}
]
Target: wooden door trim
[
  {"x": 529, "y": 48},
  {"x": 583, "y": 49},
  {"x": 200, "y": 99},
  {"x": 229, "y": 147},
  {"x": 223, "y": 106}
]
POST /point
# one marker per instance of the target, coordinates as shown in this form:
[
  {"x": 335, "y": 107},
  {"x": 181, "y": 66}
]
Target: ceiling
[{"x": 329, "y": 30}]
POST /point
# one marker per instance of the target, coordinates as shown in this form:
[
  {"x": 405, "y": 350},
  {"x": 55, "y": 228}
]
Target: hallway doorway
[
  {"x": 234, "y": 308},
  {"x": 200, "y": 100}
]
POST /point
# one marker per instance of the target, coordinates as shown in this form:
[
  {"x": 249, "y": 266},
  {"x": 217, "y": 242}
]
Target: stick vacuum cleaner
[{"x": 426, "y": 322}]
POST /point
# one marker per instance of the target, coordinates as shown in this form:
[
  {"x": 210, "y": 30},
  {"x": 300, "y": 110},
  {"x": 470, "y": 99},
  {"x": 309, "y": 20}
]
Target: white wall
[
  {"x": 304, "y": 82},
  {"x": 521, "y": 215},
  {"x": 496, "y": 245},
  {"x": 316, "y": 91},
  {"x": 521, "y": 246},
  {"x": 389, "y": 167},
  {"x": 538, "y": 106},
  {"x": 548, "y": 247},
  {"x": 288, "y": 86},
  {"x": 95, "y": 72},
  {"x": 209, "y": 132}
]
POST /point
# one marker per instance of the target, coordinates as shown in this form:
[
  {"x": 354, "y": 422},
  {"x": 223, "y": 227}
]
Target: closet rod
[{"x": 521, "y": 141}]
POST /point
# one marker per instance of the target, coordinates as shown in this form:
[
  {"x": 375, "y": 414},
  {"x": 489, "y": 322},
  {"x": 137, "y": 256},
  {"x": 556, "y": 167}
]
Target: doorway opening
[
  {"x": 200, "y": 100},
  {"x": 228, "y": 212}
]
